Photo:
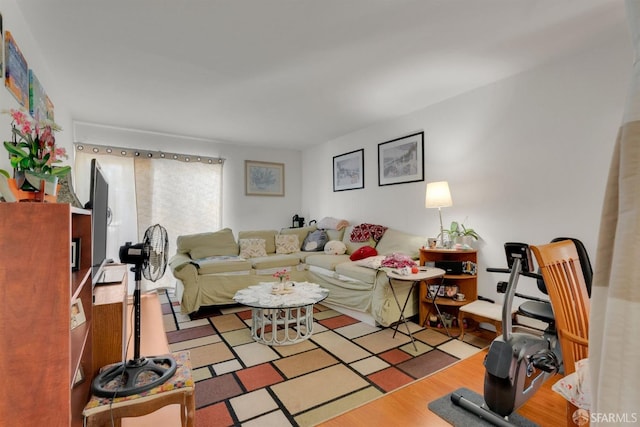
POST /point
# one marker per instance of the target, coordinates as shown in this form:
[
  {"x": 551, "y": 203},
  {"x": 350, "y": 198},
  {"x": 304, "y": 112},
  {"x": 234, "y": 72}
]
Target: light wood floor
[{"x": 407, "y": 406}]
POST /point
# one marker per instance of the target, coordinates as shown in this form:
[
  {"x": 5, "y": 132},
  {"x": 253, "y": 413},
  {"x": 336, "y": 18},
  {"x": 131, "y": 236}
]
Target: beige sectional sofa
[{"x": 210, "y": 270}]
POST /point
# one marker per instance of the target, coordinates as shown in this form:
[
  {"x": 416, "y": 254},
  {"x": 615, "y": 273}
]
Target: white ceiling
[{"x": 293, "y": 73}]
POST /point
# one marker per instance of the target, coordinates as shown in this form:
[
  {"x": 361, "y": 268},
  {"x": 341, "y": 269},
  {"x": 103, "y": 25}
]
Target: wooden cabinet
[
  {"x": 47, "y": 365},
  {"x": 109, "y": 321},
  {"x": 466, "y": 283}
]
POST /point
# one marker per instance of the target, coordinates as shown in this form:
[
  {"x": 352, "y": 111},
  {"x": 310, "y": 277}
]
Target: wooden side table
[{"x": 179, "y": 389}]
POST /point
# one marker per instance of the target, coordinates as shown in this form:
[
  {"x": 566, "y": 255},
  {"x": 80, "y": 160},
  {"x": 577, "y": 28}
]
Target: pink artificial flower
[
  {"x": 46, "y": 138},
  {"x": 21, "y": 120}
]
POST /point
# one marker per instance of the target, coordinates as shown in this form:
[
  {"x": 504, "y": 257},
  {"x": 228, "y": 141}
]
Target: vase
[{"x": 277, "y": 286}]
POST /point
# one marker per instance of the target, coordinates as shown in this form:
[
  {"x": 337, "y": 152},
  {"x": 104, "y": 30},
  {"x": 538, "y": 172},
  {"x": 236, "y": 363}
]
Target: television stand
[{"x": 109, "y": 311}]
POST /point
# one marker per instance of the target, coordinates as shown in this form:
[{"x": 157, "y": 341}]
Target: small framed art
[
  {"x": 348, "y": 171},
  {"x": 263, "y": 178},
  {"x": 401, "y": 160},
  {"x": 75, "y": 254},
  {"x": 77, "y": 314}
]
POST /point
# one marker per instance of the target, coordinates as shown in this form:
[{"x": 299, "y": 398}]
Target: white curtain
[
  {"x": 614, "y": 345},
  {"x": 183, "y": 197}
]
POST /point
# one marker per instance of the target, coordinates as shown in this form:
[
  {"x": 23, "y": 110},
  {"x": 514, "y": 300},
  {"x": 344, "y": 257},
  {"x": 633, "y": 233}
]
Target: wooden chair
[{"x": 560, "y": 267}]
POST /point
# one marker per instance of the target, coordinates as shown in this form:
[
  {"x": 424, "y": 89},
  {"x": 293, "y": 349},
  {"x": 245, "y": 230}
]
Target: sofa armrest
[{"x": 179, "y": 261}]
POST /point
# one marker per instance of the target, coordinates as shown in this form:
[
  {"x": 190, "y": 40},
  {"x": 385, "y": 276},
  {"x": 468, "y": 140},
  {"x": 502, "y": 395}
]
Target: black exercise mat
[{"x": 460, "y": 417}]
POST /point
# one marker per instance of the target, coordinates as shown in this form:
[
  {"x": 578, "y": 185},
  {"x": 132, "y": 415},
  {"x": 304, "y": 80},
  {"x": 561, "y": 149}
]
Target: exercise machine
[{"x": 517, "y": 363}]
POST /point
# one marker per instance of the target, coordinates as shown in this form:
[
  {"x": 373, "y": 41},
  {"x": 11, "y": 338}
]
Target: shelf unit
[
  {"x": 42, "y": 355},
  {"x": 467, "y": 283},
  {"x": 110, "y": 321}
]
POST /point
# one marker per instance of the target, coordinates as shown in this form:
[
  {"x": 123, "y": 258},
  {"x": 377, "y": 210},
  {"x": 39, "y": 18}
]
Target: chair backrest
[
  {"x": 560, "y": 267},
  {"x": 585, "y": 263}
]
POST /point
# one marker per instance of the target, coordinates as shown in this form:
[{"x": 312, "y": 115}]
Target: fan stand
[{"x": 139, "y": 374}]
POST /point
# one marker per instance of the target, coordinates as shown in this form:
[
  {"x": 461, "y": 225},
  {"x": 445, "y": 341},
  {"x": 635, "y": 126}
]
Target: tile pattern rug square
[{"x": 344, "y": 364}]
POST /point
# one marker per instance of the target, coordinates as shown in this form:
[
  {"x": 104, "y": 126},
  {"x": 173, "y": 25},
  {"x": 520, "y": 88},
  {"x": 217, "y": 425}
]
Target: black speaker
[{"x": 450, "y": 267}]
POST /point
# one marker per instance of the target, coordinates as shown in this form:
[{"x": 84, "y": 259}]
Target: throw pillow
[
  {"x": 203, "y": 245},
  {"x": 374, "y": 262},
  {"x": 287, "y": 243},
  {"x": 335, "y": 247},
  {"x": 315, "y": 241},
  {"x": 363, "y": 252},
  {"x": 252, "y": 248}
]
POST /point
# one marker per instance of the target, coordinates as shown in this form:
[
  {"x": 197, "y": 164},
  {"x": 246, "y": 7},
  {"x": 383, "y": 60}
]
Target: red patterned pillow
[{"x": 363, "y": 252}]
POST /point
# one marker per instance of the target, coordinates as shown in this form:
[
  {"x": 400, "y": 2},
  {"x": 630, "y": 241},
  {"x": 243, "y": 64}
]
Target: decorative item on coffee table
[{"x": 284, "y": 286}]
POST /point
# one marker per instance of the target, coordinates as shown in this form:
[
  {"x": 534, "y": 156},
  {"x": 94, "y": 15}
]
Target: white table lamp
[{"x": 438, "y": 196}]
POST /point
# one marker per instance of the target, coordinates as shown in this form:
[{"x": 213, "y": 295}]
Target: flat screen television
[{"x": 99, "y": 205}]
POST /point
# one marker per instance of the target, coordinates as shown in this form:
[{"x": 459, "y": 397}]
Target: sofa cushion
[
  {"x": 300, "y": 232},
  {"x": 325, "y": 261},
  {"x": 252, "y": 248},
  {"x": 216, "y": 266},
  {"x": 353, "y": 246},
  {"x": 394, "y": 241},
  {"x": 335, "y": 234},
  {"x": 274, "y": 261},
  {"x": 363, "y": 252},
  {"x": 287, "y": 243},
  {"x": 354, "y": 271},
  {"x": 269, "y": 237},
  {"x": 204, "y": 245}
]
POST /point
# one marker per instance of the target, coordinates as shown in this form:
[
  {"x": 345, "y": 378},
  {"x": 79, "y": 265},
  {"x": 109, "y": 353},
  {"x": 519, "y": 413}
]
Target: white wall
[
  {"x": 240, "y": 212},
  {"x": 526, "y": 158},
  {"x": 13, "y": 21}
]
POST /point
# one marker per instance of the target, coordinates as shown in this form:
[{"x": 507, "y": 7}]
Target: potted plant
[
  {"x": 33, "y": 152},
  {"x": 459, "y": 234}
]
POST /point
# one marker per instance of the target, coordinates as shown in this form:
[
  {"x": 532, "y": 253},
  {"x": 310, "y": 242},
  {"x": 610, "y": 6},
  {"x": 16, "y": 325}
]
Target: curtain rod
[{"x": 151, "y": 154}]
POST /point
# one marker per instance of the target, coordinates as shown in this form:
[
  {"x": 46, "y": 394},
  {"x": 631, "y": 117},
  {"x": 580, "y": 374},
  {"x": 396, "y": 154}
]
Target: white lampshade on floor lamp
[{"x": 438, "y": 196}]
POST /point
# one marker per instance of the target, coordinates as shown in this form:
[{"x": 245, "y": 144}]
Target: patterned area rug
[{"x": 344, "y": 364}]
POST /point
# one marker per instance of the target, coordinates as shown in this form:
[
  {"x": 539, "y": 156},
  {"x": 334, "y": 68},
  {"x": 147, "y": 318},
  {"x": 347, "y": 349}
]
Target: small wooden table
[
  {"x": 179, "y": 389},
  {"x": 425, "y": 273}
]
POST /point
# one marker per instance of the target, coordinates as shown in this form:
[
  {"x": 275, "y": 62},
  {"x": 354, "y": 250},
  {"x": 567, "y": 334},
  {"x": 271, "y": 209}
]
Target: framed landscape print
[
  {"x": 348, "y": 171},
  {"x": 264, "y": 178},
  {"x": 401, "y": 160}
]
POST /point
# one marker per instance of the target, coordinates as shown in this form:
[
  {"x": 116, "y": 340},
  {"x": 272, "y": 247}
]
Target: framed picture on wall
[
  {"x": 16, "y": 78},
  {"x": 263, "y": 178},
  {"x": 401, "y": 160},
  {"x": 348, "y": 171}
]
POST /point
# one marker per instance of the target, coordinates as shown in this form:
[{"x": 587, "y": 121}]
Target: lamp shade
[{"x": 438, "y": 195}]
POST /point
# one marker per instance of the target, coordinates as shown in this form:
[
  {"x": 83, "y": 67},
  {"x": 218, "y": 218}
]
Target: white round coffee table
[{"x": 281, "y": 319}]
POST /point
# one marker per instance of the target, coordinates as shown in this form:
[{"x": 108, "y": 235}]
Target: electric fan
[{"x": 140, "y": 373}]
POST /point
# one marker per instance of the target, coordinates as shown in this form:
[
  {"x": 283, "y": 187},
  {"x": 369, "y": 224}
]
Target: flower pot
[
  {"x": 50, "y": 183},
  {"x": 28, "y": 196},
  {"x": 466, "y": 241}
]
